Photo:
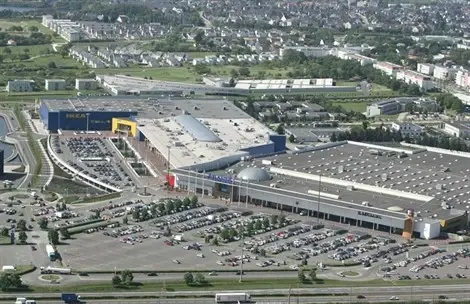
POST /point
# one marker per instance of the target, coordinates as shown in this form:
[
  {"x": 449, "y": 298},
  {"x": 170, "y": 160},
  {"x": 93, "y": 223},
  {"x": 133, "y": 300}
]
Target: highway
[
  {"x": 284, "y": 300},
  {"x": 302, "y": 295}
]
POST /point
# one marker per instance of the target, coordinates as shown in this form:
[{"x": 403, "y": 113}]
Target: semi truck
[
  {"x": 70, "y": 298},
  {"x": 232, "y": 298},
  {"x": 49, "y": 269},
  {"x": 51, "y": 253}
]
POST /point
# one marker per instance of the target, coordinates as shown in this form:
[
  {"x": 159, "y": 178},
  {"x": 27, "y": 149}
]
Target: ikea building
[{"x": 77, "y": 114}]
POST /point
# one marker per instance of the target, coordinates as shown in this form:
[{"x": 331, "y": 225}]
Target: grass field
[
  {"x": 233, "y": 284},
  {"x": 186, "y": 73},
  {"x": 25, "y": 23}
]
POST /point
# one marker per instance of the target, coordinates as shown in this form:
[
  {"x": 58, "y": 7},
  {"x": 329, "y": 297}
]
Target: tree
[
  {"x": 266, "y": 223},
  {"x": 53, "y": 237},
  {"x": 97, "y": 214},
  {"x": 116, "y": 280},
  {"x": 161, "y": 208},
  {"x": 313, "y": 274},
  {"x": 250, "y": 226},
  {"x": 186, "y": 202},
  {"x": 215, "y": 241},
  {"x": 280, "y": 129},
  {"x": 333, "y": 137},
  {"x": 4, "y": 232},
  {"x": 9, "y": 281},
  {"x": 224, "y": 234},
  {"x": 282, "y": 219},
  {"x": 200, "y": 279},
  {"x": 21, "y": 225},
  {"x": 274, "y": 219},
  {"x": 64, "y": 206},
  {"x": 188, "y": 278},
  {"x": 33, "y": 28},
  {"x": 234, "y": 73},
  {"x": 22, "y": 236},
  {"x": 199, "y": 38},
  {"x": 301, "y": 276},
  {"x": 127, "y": 277},
  {"x": 244, "y": 71},
  {"x": 167, "y": 231},
  {"x": 64, "y": 232},
  {"x": 43, "y": 223},
  {"x": 170, "y": 206},
  {"x": 178, "y": 204},
  {"x": 262, "y": 252},
  {"x": 291, "y": 138},
  {"x": 125, "y": 220},
  {"x": 153, "y": 210},
  {"x": 258, "y": 225},
  {"x": 136, "y": 215},
  {"x": 194, "y": 201},
  {"x": 51, "y": 65}
]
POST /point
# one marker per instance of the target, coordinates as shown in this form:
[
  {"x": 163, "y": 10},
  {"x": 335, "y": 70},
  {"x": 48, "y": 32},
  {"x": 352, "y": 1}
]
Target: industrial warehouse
[
  {"x": 119, "y": 85},
  {"x": 213, "y": 148}
]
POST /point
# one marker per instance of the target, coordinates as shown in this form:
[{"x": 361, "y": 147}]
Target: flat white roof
[{"x": 185, "y": 150}]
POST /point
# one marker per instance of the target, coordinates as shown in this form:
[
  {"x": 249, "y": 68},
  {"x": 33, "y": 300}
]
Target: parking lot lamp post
[
  {"x": 241, "y": 262},
  {"x": 318, "y": 202}
]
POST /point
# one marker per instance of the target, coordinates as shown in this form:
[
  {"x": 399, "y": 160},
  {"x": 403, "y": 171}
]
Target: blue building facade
[{"x": 80, "y": 120}]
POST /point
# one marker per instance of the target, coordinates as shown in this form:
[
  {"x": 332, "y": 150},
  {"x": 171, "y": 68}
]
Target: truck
[
  {"x": 232, "y": 298},
  {"x": 49, "y": 270},
  {"x": 24, "y": 301},
  {"x": 51, "y": 253},
  {"x": 70, "y": 298}
]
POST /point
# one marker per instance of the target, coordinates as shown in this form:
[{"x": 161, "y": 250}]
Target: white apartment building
[
  {"x": 85, "y": 84},
  {"x": 462, "y": 78},
  {"x": 388, "y": 68},
  {"x": 411, "y": 77},
  {"x": 20, "y": 86},
  {"x": 443, "y": 73},
  {"x": 307, "y": 51},
  {"x": 55, "y": 84},
  {"x": 407, "y": 129},
  {"x": 425, "y": 68}
]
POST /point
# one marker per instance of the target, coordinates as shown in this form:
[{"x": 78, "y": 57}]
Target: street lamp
[{"x": 318, "y": 202}]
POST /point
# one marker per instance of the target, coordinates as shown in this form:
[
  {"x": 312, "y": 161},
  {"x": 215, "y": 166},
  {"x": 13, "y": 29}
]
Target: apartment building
[
  {"x": 20, "y": 86},
  {"x": 55, "y": 84}
]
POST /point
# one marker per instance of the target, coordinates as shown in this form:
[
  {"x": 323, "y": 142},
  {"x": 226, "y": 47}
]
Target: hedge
[
  {"x": 346, "y": 264},
  {"x": 98, "y": 198},
  {"x": 81, "y": 224},
  {"x": 96, "y": 271},
  {"x": 86, "y": 227}
]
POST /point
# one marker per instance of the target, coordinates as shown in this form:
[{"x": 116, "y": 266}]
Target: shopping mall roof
[{"x": 434, "y": 185}]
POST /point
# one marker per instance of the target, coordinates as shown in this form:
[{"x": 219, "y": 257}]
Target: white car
[
  {"x": 176, "y": 262},
  {"x": 213, "y": 273},
  {"x": 394, "y": 298},
  {"x": 200, "y": 255}
]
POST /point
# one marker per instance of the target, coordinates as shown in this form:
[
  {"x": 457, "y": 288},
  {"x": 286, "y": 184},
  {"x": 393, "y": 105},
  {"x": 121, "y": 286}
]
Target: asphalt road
[
  {"x": 294, "y": 298},
  {"x": 372, "y": 294}
]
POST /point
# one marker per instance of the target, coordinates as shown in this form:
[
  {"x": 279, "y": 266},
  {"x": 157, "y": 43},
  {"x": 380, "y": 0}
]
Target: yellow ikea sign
[{"x": 75, "y": 115}]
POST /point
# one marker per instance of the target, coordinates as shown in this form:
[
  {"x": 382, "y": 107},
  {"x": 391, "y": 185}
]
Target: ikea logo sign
[{"x": 75, "y": 115}]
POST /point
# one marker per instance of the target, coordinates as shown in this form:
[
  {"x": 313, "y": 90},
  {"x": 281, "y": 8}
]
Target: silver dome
[{"x": 254, "y": 174}]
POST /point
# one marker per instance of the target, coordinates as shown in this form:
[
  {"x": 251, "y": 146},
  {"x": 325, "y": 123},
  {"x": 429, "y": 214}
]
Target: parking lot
[
  {"x": 95, "y": 157},
  {"x": 193, "y": 228},
  {"x": 19, "y": 211}
]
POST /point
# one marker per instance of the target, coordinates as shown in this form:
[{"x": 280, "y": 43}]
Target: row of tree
[
  {"x": 165, "y": 208},
  {"x": 379, "y": 134},
  {"x": 34, "y": 38}
]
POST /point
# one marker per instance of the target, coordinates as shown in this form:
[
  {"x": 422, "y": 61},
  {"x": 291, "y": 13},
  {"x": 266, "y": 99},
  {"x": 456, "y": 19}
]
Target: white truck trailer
[
  {"x": 57, "y": 270},
  {"x": 232, "y": 298}
]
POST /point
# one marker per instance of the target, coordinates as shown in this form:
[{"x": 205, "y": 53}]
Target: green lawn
[
  {"x": 31, "y": 50},
  {"x": 7, "y": 23},
  {"x": 233, "y": 284},
  {"x": 186, "y": 73}
]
